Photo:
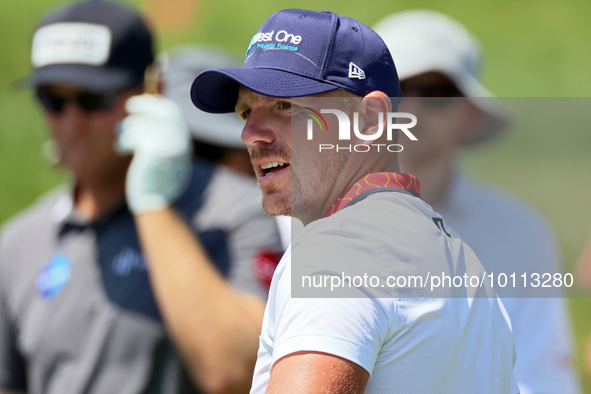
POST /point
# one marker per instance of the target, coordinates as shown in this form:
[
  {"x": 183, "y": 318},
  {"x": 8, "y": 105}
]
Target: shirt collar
[
  {"x": 67, "y": 218},
  {"x": 63, "y": 209},
  {"x": 372, "y": 181}
]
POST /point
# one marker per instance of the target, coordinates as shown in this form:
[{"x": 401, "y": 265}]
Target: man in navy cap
[
  {"x": 362, "y": 216},
  {"x": 83, "y": 307}
]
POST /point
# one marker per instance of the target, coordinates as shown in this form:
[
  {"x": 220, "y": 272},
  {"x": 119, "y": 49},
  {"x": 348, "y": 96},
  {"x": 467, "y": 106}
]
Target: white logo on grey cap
[
  {"x": 71, "y": 42},
  {"x": 355, "y": 71}
]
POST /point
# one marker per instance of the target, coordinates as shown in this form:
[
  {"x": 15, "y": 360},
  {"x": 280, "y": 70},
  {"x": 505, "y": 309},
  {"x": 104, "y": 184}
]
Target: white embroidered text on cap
[{"x": 82, "y": 43}]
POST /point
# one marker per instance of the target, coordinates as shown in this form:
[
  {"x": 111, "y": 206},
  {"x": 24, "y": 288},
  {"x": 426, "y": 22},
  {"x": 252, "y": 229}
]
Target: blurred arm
[
  {"x": 215, "y": 328},
  {"x": 583, "y": 267}
]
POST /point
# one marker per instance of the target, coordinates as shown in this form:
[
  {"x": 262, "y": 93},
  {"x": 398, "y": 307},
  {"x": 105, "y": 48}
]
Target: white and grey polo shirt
[{"x": 77, "y": 314}]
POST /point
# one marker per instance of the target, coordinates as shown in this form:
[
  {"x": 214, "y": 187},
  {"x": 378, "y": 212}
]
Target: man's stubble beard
[
  {"x": 310, "y": 188},
  {"x": 301, "y": 200},
  {"x": 275, "y": 206},
  {"x": 272, "y": 205}
]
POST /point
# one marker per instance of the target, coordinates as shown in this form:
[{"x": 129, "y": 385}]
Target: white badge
[{"x": 70, "y": 42}]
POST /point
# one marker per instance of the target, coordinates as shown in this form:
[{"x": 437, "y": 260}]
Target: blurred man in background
[
  {"x": 216, "y": 139},
  {"x": 84, "y": 308},
  {"x": 437, "y": 61}
]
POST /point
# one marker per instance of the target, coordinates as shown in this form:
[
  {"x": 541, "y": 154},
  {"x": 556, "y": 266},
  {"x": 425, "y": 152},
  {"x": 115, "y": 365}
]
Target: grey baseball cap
[
  {"x": 180, "y": 66},
  {"x": 422, "y": 41}
]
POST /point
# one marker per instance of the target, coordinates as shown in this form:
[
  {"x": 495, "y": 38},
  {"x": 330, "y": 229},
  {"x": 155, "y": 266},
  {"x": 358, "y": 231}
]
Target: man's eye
[
  {"x": 245, "y": 114},
  {"x": 285, "y": 105}
]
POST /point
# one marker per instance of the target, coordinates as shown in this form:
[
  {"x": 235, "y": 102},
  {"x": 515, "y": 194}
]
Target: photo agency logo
[{"x": 344, "y": 123}]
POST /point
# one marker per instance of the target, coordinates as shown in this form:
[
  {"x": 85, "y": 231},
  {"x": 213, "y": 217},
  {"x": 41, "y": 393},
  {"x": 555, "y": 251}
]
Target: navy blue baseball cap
[
  {"x": 300, "y": 53},
  {"x": 95, "y": 45}
]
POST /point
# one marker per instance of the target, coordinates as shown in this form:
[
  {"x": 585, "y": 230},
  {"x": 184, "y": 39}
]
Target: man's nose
[
  {"x": 258, "y": 129},
  {"x": 72, "y": 117}
]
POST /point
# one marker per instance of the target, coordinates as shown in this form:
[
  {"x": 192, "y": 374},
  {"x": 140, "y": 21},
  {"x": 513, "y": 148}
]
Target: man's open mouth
[{"x": 269, "y": 168}]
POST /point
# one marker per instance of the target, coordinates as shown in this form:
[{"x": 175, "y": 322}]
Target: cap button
[{"x": 327, "y": 12}]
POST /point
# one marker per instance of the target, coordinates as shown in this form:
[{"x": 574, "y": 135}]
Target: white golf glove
[{"x": 156, "y": 134}]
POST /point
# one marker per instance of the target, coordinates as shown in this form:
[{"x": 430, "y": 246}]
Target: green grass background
[{"x": 534, "y": 48}]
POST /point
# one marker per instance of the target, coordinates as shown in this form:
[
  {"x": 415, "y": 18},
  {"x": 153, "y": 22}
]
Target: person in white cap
[{"x": 437, "y": 57}]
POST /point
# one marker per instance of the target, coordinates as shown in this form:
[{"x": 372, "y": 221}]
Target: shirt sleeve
[
  {"x": 12, "y": 364},
  {"x": 255, "y": 251},
  {"x": 354, "y": 328}
]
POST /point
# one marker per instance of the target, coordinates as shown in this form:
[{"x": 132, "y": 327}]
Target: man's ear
[{"x": 373, "y": 110}]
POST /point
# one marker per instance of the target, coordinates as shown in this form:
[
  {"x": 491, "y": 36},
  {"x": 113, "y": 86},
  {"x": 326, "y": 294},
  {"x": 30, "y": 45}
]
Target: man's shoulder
[
  {"x": 391, "y": 214},
  {"x": 390, "y": 218},
  {"x": 38, "y": 216},
  {"x": 387, "y": 233}
]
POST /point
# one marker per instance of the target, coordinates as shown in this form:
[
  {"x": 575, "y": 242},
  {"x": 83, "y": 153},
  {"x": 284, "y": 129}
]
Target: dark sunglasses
[
  {"x": 414, "y": 89},
  {"x": 89, "y": 102}
]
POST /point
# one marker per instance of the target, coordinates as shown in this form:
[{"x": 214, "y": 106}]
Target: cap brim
[
  {"x": 89, "y": 78},
  {"x": 497, "y": 118},
  {"x": 216, "y": 91}
]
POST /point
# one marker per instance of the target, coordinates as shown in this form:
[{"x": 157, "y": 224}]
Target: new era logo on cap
[{"x": 355, "y": 71}]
